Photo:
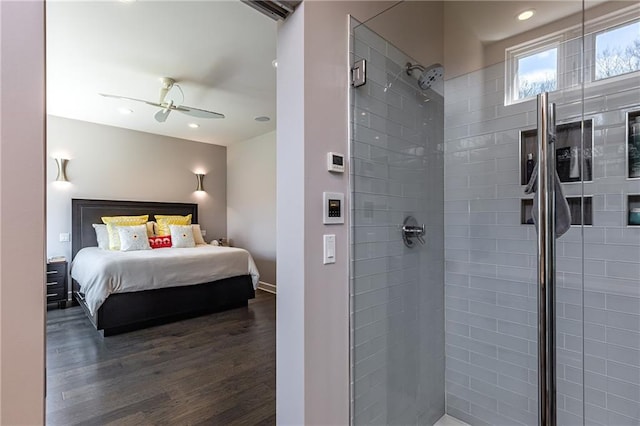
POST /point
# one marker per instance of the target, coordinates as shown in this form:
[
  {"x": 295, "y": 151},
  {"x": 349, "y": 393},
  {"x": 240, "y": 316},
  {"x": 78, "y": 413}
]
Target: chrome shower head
[{"x": 428, "y": 75}]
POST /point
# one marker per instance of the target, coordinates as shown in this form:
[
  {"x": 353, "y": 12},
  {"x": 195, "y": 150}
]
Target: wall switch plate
[
  {"x": 329, "y": 243},
  {"x": 203, "y": 232},
  {"x": 64, "y": 237}
]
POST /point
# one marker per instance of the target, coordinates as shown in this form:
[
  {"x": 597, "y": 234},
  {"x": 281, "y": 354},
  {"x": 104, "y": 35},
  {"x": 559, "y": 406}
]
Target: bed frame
[{"x": 123, "y": 312}]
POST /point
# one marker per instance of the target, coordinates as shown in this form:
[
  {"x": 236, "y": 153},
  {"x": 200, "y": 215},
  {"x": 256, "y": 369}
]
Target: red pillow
[{"x": 160, "y": 242}]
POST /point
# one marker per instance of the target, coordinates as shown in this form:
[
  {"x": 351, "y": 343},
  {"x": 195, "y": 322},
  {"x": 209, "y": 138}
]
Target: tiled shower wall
[
  {"x": 397, "y": 292},
  {"x": 490, "y": 258}
]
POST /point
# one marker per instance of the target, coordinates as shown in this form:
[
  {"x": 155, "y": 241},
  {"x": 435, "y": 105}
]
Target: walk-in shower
[{"x": 448, "y": 271}]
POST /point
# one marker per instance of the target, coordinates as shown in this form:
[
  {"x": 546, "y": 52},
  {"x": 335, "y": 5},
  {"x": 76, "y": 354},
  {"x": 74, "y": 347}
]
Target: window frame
[{"x": 569, "y": 45}]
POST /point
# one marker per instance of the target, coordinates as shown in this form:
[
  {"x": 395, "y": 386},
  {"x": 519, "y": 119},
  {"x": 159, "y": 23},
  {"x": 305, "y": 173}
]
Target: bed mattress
[{"x": 103, "y": 272}]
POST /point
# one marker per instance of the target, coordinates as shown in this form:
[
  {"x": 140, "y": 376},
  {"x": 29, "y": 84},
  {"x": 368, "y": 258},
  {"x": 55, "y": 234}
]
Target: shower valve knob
[{"x": 411, "y": 230}]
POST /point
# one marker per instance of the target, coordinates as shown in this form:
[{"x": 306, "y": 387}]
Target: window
[
  {"x": 555, "y": 62},
  {"x": 617, "y": 51},
  {"x": 533, "y": 68},
  {"x": 537, "y": 73}
]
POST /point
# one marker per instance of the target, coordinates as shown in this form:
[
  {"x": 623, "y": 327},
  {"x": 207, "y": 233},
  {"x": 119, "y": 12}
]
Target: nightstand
[{"x": 56, "y": 284}]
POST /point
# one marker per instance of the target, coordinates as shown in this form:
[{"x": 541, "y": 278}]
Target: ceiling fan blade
[
  {"x": 106, "y": 95},
  {"x": 161, "y": 116},
  {"x": 195, "y": 112}
]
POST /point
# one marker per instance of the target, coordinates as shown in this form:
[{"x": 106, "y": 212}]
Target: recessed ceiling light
[
  {"x": 523, "y": 16},
  {"x": 125, "y": 111},
  {"x": 274, "y": 63},
  {"x": 193, "y": 125},
  {"x": 262, "y": 118}
]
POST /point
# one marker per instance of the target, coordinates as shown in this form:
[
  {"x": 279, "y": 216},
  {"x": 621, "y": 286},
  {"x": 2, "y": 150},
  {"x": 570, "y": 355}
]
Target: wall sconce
[
  {"x": 199, "y": 178},
  {"x": 62, "y": 169}
]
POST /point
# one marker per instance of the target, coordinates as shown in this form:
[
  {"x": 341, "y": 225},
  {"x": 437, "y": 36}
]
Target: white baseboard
[{"x": 269, "y": 288}]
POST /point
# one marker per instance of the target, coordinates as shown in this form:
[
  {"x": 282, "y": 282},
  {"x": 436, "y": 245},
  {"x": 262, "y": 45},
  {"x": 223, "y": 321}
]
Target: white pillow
[
  {"x": 182, "y": 236},
  {"x": 102, "y": 235},
  {"x": 197, "y": 234},
  {"x": 133, "y": 238}
]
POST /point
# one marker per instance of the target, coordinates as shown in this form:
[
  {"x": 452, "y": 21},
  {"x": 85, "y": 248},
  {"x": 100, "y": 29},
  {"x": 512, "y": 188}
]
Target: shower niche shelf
[
  {"x": 633, "y": 210},
  {"x": 568, "y": 152},
  {"x": 633, "y": 145},
  {"x": 526, "y": 205}
]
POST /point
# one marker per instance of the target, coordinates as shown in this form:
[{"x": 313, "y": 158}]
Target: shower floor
[{"x": 448, "y": 420}]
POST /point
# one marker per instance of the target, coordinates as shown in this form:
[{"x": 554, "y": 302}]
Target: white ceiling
[{"x": 220, "y": 53}]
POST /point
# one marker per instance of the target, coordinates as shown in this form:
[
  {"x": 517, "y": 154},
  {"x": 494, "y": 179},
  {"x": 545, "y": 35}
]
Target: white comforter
[{"x": 103, "y": 272}]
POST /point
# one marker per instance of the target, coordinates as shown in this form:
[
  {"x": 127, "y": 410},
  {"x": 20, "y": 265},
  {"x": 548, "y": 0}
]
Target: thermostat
[
  {"x": 335, "y": 162},
  {"x": 333, "y": 208}
]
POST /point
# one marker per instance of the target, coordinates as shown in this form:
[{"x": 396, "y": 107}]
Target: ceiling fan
[{"x": 169, "y": 105}]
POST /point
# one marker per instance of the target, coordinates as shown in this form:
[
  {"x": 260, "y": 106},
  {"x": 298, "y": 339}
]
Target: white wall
[
  {"x": 251, "y": 200},
  {"x": 22, "y": 260},
  {"x": 119, "y": 164}
]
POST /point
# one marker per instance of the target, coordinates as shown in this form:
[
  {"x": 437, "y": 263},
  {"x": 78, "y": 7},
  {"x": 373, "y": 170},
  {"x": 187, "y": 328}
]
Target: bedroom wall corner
[
  {"x": 251, "y": 200},
  {"x": 119, "y": 164},
  {"x": 22, "y": 211}
]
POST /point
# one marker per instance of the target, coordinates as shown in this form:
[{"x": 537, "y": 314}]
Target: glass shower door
[
  {"x": 451, "y": 326},
  {"x": 396, "y": 277}
]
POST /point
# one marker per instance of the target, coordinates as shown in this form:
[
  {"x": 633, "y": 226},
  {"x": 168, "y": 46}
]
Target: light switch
[
  {"x": 329, "y": 248},
  {"x": 64, "y": 237}
]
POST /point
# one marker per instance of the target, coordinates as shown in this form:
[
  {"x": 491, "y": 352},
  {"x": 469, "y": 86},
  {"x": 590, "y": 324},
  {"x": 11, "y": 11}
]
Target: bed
[{"x": 131, "y": 310}]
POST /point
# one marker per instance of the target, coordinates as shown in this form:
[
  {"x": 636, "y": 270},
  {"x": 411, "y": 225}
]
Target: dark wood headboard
[{"x": 84, "y": 213}]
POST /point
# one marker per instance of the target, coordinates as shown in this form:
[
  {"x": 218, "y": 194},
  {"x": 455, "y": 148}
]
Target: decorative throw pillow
[
  {"x": 133, "y": 238},
  {"x": 160, "y": 242},
  {"x": 181, "y": 236},
  {"x": 165, "y": 221},
  {"x": 197, "y": 234},
  {"x": 101, "y": 235},
  {"x": 114, "y": 221}
]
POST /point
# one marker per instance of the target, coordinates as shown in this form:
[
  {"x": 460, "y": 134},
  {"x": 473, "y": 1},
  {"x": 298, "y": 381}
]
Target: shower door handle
[{"x": 547, "y": 413}]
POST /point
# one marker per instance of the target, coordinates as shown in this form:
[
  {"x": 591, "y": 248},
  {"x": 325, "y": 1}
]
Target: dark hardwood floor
[{"x": 213, "y": 370}]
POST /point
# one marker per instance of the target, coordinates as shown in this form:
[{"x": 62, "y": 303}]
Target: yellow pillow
[
  {"x": 150, "y": 229},
  {"x": 113, "y": 222},
  {"x": 165, "y": 221}
]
